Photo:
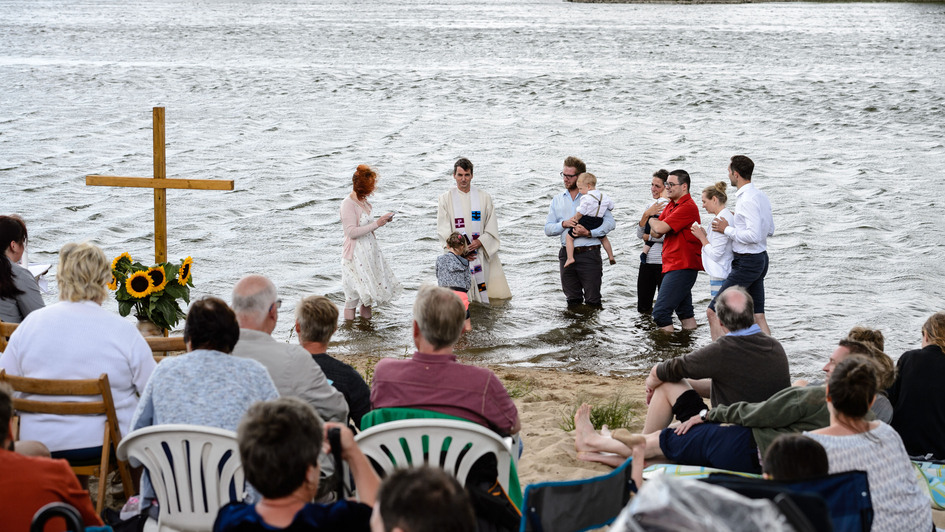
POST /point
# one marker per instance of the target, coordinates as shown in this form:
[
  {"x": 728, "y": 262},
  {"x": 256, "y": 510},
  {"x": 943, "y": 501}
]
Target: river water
[{"x": 840, "y": 106}]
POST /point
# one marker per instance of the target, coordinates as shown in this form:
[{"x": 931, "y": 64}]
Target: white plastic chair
[
  {"x": 388, "y": 445},
  {"x": 188, "y": 465}
]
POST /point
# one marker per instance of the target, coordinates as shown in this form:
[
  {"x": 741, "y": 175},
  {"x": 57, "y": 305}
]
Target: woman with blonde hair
[
  {"x": 365, "y": 276},
  {"x": 916, "y": 394},
  {"x": 716, "y": 247},
  {"x": 77, "y": 339}
]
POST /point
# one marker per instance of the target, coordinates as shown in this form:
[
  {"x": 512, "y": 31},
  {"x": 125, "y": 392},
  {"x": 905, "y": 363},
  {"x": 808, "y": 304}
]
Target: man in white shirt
[{"x": 753, "y": 225}]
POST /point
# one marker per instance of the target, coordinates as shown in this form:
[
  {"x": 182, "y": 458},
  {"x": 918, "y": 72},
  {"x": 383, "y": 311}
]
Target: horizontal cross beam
[{"x": 150, "y": 182}]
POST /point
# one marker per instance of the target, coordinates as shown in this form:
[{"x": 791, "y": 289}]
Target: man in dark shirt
[
  {"x": 316, "y": 319},
  {"x": 744, "y": 364}
]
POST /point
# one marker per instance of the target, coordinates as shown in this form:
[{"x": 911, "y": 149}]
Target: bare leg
[
  {"x": 365, "y": 312},
  {"x": 669, "y": 328},
  {"x": 31, "y": 448},
  {"x": 570, "y": 248},
  {"x": 604, "y": 241},
  {"x": 763, "y": 323},
  {"x": 349, "y": 314},
  {"x": 703, "y": 386},
  {"x": 467, "y": 326},
  {"x": 715, "y": 326},
  {"x": 586, "y": 439},
  {"x": 659, "y": 413},
  {"x": 689, "y": 323},
  {"x": 647, "y": 444}
]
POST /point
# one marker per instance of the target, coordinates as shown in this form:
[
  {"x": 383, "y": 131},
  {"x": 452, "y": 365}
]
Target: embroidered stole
[{"x": 474, "y": 224}]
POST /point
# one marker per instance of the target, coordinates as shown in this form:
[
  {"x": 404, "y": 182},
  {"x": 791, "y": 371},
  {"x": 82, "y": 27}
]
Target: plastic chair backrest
[
  {"x": 192, "y": 469},
  {"x": 572, "y": 505},
  {"x": 435, "y": 442}
]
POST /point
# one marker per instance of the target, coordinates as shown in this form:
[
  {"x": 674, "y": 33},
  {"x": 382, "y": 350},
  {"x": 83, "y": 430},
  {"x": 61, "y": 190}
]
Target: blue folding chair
[{"x": 576, "y": 505}]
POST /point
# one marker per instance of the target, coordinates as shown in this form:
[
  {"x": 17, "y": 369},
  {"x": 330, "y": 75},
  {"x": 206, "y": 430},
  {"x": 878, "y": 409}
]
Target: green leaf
[{"x": 124, "y": 307}]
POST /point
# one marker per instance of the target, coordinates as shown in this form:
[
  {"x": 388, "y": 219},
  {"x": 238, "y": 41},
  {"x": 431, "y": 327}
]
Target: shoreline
[{"x": 695, "y": 2}]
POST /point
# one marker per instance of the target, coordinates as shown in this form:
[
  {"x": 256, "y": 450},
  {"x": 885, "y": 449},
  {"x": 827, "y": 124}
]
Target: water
[{"x": 840, "y": 106}]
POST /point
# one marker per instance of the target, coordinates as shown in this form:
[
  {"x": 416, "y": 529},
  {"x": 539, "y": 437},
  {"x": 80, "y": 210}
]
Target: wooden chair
[
  {"x": 161, "y": 345},
  {"x": 6, "y": 329},
  {"x": 101, "y": 407}
]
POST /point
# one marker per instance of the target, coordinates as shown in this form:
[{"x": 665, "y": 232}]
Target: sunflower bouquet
[{"x": 152, "y": 291}]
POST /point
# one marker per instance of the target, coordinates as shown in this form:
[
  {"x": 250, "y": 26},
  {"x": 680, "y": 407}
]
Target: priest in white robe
[{"x": 467, "y": 209}]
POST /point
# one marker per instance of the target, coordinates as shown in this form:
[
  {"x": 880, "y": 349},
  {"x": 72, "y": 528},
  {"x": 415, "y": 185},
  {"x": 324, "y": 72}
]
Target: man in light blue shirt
[{"x": 580, "y": 281}]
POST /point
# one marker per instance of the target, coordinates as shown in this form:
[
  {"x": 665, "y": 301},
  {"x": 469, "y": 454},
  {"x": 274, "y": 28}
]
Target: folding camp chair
[
  {"x": 847, "y": 495},
  {"x": 573, "y": 505}
]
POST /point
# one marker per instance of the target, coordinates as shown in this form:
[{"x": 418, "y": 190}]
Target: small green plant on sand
[
  {"x": 517, "y": 386},
  {"x": 616, "y": 413}
]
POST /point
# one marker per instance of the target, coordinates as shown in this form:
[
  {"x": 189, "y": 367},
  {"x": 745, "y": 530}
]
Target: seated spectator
[
  {"x": 290, "y": 366},
  {"x": 279, "y": 445},
  {"x": 728, "y": 436},
  {"x": 28, "y": 483},
  {"x": 77, "y": 339},
  {"x": 916, "y": 394},
  {"x": 433, "y": 380},
  {"x": 422, "y": 499},
  {"x": 744, "y": 364},
  {"x": 19, "y": 292},
  {"x": 854, "y": 443},
  {"x": 206, "y": 386},
  {"x": 316, "y": 319},
  {"x": 795, "y": 457}
]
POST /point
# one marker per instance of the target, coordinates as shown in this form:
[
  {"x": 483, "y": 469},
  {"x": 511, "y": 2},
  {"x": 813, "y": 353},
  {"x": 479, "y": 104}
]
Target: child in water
[
  {"x": 452, "y": 271},
  {"x": 663, "y": 200},
  {"x": 590, "y": 214}
]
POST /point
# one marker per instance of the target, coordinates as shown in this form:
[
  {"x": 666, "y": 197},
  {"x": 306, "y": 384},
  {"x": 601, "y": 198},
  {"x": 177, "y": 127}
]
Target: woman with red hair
[{"x": 365, "y": 276}]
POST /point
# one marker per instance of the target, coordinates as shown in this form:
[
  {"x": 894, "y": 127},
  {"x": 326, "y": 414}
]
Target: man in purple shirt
[{"x": 433, "y": 380}]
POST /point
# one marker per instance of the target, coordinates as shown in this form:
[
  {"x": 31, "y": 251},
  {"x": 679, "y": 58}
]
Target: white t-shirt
[{"x": 595, "y": 203}]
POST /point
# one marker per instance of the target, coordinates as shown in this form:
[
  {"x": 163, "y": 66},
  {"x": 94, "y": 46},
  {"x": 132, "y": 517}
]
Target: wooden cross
[{"x": 159, "y": 183}]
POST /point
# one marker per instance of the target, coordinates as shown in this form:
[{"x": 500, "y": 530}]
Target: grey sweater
[
  {"x": 742, "y": 368},
  {"x": 452, "y": 271}
]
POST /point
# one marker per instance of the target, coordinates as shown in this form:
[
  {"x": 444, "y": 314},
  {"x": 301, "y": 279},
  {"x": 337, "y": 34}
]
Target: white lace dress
[{"x": 366, "y": 277}]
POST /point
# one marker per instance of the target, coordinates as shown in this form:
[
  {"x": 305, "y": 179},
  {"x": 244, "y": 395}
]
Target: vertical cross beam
[{"x": 160, "y": 197}]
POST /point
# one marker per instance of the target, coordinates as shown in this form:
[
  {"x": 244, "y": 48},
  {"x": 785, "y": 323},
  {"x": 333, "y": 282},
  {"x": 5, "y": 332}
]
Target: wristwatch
[{"x": 702, "y": 413}]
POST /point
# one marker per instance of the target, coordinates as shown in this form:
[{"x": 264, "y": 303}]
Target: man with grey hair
[
  {"x": 744, "y": 364},
  {"x": 290, "y": 365},
  {"x": 433, "y": 380}
]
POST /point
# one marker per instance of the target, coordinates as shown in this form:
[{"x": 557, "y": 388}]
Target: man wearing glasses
[
  {"x": 753, "y": 225},
  {"x": 682, "y": 253},
  {"x": 582, "y": 280}
]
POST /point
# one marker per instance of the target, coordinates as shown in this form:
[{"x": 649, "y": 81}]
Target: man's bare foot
[
  {"x": 605, "y": 431},
  {"x": 568, "y": 262},
  {"x": 629, "y": 439},
  {"x": 583, "y": 429}
]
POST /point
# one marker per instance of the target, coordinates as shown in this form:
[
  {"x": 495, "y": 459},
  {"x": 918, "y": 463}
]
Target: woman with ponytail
[
  {"x": 855, "y": 443},
  {"x": 19, "y": 293},
  {"x": 916, "y": 395}
]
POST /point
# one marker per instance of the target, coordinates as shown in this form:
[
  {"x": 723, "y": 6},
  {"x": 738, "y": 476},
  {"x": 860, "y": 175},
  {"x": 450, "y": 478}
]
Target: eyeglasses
[
  {"x": 277, "y": 305},
  {"x": 670, "y": 185},
  {"x": 569, "y": 176}
]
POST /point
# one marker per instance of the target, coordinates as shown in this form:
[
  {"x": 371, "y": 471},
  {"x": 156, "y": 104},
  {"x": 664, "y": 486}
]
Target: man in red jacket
[{"x": 682, "y": 253}]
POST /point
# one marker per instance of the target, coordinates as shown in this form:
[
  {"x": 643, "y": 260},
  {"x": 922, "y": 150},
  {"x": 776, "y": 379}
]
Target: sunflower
[
  {"x": 184, "y": 274},
  {"x": 158, "y": 278},
  {"x": 113, "y": 284},
  {"x": 118, "y": 259},
  {"x": 138, "y": 284}
]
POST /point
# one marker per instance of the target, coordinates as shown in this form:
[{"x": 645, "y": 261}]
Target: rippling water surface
[{"x": 840, "y": 105}]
